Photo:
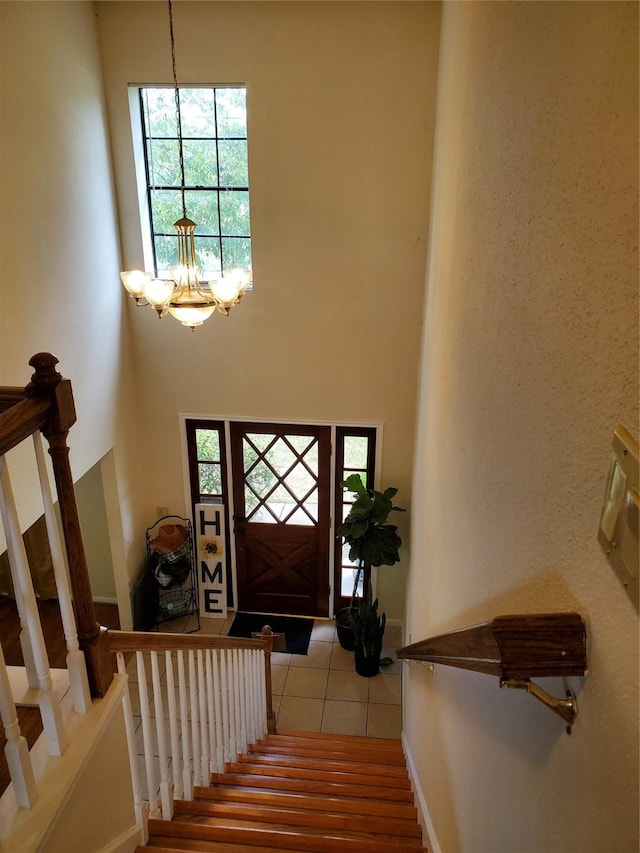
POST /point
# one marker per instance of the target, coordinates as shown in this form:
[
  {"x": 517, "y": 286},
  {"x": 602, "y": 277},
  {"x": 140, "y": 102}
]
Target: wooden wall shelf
[{"x": 516, "y": 649}]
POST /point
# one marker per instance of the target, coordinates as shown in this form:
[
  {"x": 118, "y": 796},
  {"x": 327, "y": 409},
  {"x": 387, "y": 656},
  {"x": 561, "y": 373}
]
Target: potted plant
[{"x": 372, "y": 541}]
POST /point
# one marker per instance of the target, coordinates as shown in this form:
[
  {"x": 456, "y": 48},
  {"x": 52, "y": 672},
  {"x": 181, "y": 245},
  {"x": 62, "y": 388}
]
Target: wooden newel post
[
  {"x": 267, "y": 634},
  {"x": 47, "y": 382}
]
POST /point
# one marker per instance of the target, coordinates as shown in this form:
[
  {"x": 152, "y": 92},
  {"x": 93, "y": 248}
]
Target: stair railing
[
  {"x": 45, "y": 407},
  {"x": 211, "y": 699},
  {"x": 516, "y": 649}
]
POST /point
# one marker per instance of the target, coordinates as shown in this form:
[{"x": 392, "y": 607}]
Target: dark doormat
[{"x": 296, "y": 630}]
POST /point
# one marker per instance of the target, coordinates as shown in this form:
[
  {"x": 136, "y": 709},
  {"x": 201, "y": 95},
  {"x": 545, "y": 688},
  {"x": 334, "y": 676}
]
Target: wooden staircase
[{"x": 300, "y": 792}]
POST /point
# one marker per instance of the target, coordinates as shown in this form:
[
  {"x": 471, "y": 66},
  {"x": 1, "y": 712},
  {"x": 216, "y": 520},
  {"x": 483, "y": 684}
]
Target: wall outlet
[{"x": 162, "y": 511}]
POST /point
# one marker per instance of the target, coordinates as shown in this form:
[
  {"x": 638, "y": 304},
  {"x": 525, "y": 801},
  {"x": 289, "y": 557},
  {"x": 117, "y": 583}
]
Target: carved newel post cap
[{"x": 45, "y": 375}]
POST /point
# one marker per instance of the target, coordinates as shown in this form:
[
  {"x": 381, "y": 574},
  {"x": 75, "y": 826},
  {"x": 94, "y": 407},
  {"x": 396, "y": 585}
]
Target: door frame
[{"x": 227, "y": 420}]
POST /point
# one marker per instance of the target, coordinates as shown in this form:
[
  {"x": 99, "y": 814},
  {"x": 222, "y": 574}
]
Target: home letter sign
[{"x": 212, "y": 564}]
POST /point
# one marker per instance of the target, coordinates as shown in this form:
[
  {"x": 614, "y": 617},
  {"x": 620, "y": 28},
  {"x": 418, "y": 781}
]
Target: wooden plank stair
[{"x": 304, "y": 793}]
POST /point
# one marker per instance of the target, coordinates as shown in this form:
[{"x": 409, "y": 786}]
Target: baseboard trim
[
  {"x": 104, "y": 599},
  {"x": 423, "y": 812},
  {"x": 127, "y": 842}
]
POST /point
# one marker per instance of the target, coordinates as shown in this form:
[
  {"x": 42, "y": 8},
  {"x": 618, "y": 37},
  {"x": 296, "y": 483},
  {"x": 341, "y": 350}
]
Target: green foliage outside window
[{"x": 216, "y": 174}]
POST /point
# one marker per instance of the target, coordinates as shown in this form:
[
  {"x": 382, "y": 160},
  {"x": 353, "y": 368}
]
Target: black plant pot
[
  {"x": 344, "y": 629},
  {"x": 366, "y": 666}
]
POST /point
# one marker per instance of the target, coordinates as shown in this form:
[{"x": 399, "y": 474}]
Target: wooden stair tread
[
  {"x": 284, "y": 839},
  {"x": 349, "y": 805},
  {"x": 343, "y": 831},
  {"x": 297, "y": 816},
  {"x": 290, "y": 771},
  {"x": 324, "y": 736},
  {"x": 311, "y": 786},
  {"x": 178, "y": 845},
  {"x": 385, "y": 759},
  {"x": 326, "y": 763},
  {"x": 339, "y": 743}
]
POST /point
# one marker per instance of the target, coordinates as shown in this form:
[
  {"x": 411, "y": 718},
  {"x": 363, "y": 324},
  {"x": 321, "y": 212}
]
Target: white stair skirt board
[
  {"x": 24, "y": 829},
  {"x": 423, "y": 811}
]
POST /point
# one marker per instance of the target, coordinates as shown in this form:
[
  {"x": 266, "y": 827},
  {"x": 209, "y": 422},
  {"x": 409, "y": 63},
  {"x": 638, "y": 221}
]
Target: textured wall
[
  {"x": 59, "y": 285},
  {"x": 530, "y": 361},
  {"x": 341, "y": 100}
]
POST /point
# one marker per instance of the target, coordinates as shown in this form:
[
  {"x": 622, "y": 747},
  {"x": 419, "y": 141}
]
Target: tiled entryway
[{"x": 321, "y": 691}]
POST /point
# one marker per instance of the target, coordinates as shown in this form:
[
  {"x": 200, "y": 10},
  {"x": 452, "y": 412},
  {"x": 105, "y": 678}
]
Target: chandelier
[{"x": 186, "y": 296}]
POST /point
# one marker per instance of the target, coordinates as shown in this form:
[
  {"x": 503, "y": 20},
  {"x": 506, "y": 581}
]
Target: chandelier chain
[{"x": 176, "y": 92}]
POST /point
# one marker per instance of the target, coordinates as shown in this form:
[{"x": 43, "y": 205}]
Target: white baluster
[
  {"x": 251, "y": 700},
  {"x": 262, "y": 662},
  {"x": 244, "y": 657},
  {"x": 204, "y": 734},
  {"x": 187, "y": 773},
  {"x": 21, "y": 576},
  {"x": 25, "y": 639},
  {"x": 166, "y": 792},
  {"x": 224, "y": 698},
  {"x": 176, "y": 761},
  {"x": 76, "y": 665},
  {"x": 218, "y": 713},
  {"x": 233, "y": 746},
  {"x": 238, "y": 687},
  {"x": 16, "y": 748},
  {"x": 210, "y": 714},
  {"x": 147, "y": 737},
  {"x": 136, "y": 785},
  {"x": 257, "y": 732},
  {"x": 255, "y": 708},
  {"x": 195, "y": 728},
  {"x": 245, "y": 693}
]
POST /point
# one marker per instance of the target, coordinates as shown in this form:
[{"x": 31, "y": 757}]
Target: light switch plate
[{"x": 619, "y": 519}]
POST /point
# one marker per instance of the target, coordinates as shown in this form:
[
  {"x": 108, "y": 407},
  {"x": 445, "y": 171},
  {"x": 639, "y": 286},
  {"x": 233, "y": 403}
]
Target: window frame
[
  {"x": 145, "y": 184},
  {"x": 340, "y": 472}
]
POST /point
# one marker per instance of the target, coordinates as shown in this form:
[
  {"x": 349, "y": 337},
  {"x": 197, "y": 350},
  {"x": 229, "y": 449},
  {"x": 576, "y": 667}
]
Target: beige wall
[
  {"x": 530, "y": 361},
  {"x": 341, "y": 106},
  {"x": 98, "y": 812},
  {"x": 90, "y": 495},
  {"x": 60, "y": 258}
]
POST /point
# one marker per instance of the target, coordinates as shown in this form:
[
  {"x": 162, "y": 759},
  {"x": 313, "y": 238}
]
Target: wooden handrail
[
  {"x": 524, "y": 646},
  {"x": 141, "y": 641},
  {"x": 516, "y": 649},
  {"x": 21, "y": 420},
  {"x": 9, "y": 396}
]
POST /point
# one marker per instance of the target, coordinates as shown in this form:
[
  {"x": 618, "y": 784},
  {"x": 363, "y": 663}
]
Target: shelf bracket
[{"x": 566, "y": 708}]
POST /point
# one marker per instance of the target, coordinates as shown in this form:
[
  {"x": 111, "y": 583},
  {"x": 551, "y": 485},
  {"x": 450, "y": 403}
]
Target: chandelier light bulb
[
  {"x": 158, "y": 293},
  {"x": 135, "y": 282},
  {"x": 227, "y": 290}
]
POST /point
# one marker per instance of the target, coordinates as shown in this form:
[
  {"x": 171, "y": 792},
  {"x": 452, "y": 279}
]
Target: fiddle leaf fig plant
[{"x": 372, "y": 540}]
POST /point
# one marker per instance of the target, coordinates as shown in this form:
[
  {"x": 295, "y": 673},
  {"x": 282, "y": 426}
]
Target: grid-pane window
[
  {"x": 207, "y": 465},
  {"x": 216, "y": 174},
  {"x": 355, "y": 454}
]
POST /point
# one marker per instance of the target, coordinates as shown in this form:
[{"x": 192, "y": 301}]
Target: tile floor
[{"x": 321, "y": 691}]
